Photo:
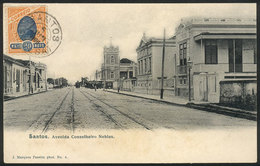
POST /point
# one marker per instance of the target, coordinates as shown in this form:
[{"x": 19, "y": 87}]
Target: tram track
[
  {"x": 72, "y": 111},
  {"x": 117, "y": 110},
  {"x": 103, "y": 112},
  {"x": 53, "y": 114}
]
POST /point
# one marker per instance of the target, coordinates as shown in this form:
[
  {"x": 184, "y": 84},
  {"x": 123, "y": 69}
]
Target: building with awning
[{"x": 210, "y": 50}]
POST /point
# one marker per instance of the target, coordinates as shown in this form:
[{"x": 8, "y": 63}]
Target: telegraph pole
[
  {"x": 104, "y": 72},
  {"x": 46, "y": 84},
  {"x": 30, "y": 82},
  {"x": 119, "y": 80},
  {"x": 175, "y": 75},
  {"x": 163, "y": 64}
]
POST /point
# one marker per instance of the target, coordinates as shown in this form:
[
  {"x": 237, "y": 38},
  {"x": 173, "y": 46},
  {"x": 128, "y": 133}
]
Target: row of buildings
[
  {"x": 19, "y": 75},
  {"x": 207, "y": 59}
]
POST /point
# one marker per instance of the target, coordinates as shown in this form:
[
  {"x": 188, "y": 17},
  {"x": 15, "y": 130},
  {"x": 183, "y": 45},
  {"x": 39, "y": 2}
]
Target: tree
[{"x": 50, "y": 80}]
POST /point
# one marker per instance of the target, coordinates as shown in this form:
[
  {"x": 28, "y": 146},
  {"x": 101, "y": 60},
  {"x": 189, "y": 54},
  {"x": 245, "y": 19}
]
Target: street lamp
[{"x": 189, "y": 65}]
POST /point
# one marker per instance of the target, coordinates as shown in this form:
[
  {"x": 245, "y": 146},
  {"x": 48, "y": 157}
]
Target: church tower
[{"x": 110, "y": 67}]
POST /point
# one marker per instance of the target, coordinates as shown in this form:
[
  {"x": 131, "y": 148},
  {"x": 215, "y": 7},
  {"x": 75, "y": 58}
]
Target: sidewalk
[
  {"x": 21, "y": 94},
  {"x": 171, "y": 100},
  {"x": 205, "y": 106}
]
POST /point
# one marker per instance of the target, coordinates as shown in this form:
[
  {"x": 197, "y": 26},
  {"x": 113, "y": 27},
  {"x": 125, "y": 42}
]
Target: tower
[{"x": 110, "y": 65}]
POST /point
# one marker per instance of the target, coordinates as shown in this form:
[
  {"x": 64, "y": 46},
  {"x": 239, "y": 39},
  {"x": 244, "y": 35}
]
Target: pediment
[{"x": 142, "y": 43}]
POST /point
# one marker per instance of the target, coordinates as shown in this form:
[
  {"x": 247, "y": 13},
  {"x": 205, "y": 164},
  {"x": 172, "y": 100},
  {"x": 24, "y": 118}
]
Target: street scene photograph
[{"x": 135, "y": 83}]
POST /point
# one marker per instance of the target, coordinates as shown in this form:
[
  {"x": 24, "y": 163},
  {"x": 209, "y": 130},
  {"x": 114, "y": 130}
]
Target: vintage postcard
[{"x": 130, "y": 83}]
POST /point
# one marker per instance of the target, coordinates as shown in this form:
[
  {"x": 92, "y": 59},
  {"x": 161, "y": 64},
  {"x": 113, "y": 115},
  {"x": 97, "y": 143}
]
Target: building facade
[
  {"x": 110, "y": 66},
  {"x": 17, "y": 76},
  {"x": 214, "y": 49},
  {"x": 149, "y": 62}
]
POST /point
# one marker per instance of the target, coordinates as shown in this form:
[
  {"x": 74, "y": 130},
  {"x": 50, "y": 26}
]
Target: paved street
[{"x": 78, "y": 109}]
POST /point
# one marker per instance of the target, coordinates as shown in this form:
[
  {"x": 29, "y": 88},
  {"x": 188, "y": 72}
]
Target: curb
[
  {"x": 204, "y": 107},
  {"x": 13, "y": 98},
  {"x": 224, "y": 111}
]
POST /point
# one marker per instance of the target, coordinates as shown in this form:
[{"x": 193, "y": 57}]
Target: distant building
[
  {"x": 98, "y": 75},
  {"x": 149, "y": 57},
  {"x": 218, "y": 49},
  {"x": 127, "y": 79},
  {"x": 110, "y": 66},
  {"x": 17, "y": 76},
  {"x": 60, "y": 82}
]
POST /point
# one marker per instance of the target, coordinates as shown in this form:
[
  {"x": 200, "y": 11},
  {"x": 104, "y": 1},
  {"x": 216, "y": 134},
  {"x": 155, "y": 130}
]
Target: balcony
[{"x": 182, "y": 69}]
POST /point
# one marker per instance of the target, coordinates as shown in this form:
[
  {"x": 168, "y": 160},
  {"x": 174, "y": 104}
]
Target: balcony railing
[{"x": 182, "y": 69}]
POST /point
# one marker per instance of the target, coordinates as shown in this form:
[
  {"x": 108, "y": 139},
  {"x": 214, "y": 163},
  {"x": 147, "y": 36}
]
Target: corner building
[{"x": 218, "y": 49}]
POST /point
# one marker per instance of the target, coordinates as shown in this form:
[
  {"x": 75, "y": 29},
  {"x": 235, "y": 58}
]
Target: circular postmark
[{"x": 40, "y": 32}]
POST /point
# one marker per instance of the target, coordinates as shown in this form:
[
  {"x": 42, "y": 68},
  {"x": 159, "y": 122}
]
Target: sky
[{"x": 87, "y": 28}]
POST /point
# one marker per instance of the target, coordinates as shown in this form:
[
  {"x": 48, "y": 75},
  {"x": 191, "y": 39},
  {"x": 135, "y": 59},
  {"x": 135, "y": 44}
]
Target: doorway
[{"x": 17, "y": 80}]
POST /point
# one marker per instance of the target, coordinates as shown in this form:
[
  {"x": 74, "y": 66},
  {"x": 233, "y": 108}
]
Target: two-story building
[
  {"x": 149, "y": 62},
  {"x": 215, "y": 49}
]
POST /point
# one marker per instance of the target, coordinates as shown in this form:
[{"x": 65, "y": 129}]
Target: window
[
  {"x": 183, "y": 54},
  {"x": 139, "y": 68},
  {"x": 255, "y": 53},
  {"x": 112, "y": 59},
  {"x": 130, "y": 74},
  {"x": 145, "y": 65},
  {"x": 211, "y": 52},
  {"x": 184, "y": 81},
  {"x": 112, "y": 75},
  {"x": 150, "y": 65}
]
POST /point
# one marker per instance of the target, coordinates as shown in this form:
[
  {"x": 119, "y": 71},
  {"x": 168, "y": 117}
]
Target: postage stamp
[{"x": 31, "y": 30}]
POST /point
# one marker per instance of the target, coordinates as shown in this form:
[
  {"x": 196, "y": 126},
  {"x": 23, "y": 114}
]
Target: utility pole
[
  {"x": 30, "y": 82},
  {"x": 46, "y": 78},
  {"x": 119, "y": 79},
  {"x": 96, "y": 75},
  {"x": 163, "y": 64},
  {"x": 175, "y": 75},
  {"x": 104, "y": 72}
]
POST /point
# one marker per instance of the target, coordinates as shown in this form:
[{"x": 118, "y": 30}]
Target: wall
[
  {"x": 169, "y": 69},
  {"x": 241, "y": 93}
]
